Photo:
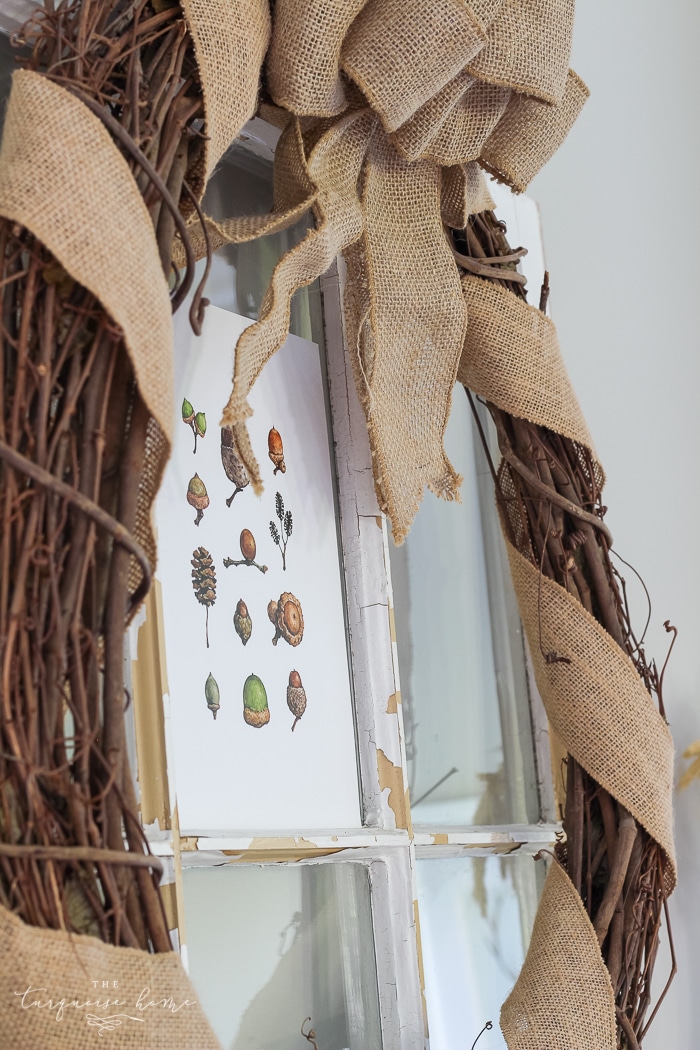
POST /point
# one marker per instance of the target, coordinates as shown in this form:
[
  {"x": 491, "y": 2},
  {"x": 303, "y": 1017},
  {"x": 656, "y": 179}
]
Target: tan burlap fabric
[
  {"x": 528, "y": 48},
  {"x": 416, "y": 315},
  {"x": 52, "y": 995},
  {"x": 597, "y": 698},
  {"x": 563, "y": 999},
  {"x": 464, "y": 193},
  {"x": 303, "y": 63},
  {"x": 442, "y": 79},
  {"x": 529, "y": 133},
  {"x": 401, "y": 53},
  {"x": 230, "y": 41},
  {"x": 512, "y": 357}
]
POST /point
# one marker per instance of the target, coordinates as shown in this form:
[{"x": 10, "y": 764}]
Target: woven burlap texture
[
  {"x": 51, "y": 966},
  {"x": 595, "y": 698},
  {"x": 230, "y": 41},
  {"x": 464, "y": 192},
  {"x": 563, "y": 999},
  {"x": 417, "y": 67},
  {"x": 512, "y": 358},
  {"x": 416, "y": 314}
]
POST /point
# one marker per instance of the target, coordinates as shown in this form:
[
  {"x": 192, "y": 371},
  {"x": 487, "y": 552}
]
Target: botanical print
[{"x": 226, "y": 667}]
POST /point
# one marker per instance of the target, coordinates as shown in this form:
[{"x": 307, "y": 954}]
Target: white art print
[{"x": 237, "y": 766}]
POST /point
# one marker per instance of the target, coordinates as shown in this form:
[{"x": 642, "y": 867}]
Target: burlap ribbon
[
  {"x": 70, "y": 992},
  {"x": 393, "y": 104}
]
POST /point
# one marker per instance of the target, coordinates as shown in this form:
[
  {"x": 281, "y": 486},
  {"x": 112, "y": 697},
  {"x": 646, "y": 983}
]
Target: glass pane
[
  {"x": 461, "y": 657},
  {"x": 270, "y": 946},
  {"x": 476, "y": 915},
  {"x": 240, "y": 273}
]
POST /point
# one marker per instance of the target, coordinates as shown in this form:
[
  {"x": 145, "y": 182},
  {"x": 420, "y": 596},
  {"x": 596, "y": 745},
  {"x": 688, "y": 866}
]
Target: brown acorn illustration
[
  {"x": 204, "y": 580},
  {"x": 296, "y": 697},
  {"x": 248, "y": 550},
  {"x": 242, "y": 622},
  {"x": 233, "y": 467},
  {"x": 197, "y": 497},
  {"x": 287, "y": 618},
  {"x": 275, "y": 450}
]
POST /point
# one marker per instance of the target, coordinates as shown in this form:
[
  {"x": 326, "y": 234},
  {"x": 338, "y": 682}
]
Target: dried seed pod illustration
[
  {"x": 212, "y": 695},
  {"x": 242, "y": 621},
  {"x": 287, "y": 618},
  {"x": 248, "y": 550},
  {"x": 281, "y": 536},
  {"x": 296, "y": 697},
  {"x": 197, "y": 497},
  {"x": 197, "y": 421},
  {"x": 275, "y": 450},
  {"x": 255, "y": 710},
  {"x": 204, "y": 581},
  {"x": 233, "y": 467}
]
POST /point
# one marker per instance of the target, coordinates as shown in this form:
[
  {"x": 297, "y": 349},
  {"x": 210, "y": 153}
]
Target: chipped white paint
[{"x": 363, "y": 535}]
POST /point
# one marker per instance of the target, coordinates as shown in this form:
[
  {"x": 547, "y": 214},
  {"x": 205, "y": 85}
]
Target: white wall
[{"x": 621, "y": 221}]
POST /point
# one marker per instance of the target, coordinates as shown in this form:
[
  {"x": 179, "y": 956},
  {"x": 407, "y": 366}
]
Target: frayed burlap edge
[{"x": 563, "y": 998}]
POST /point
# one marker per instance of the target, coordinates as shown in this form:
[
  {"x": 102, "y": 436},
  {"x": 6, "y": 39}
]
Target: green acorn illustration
[
  {"x": 211, "y": 692},
  {"x": 255, "y": 710},
  {"x": 197, "y": 497},
  {"x": 187, "y": 411},
  {"x": 242, "y": 621},
  {"x": 197, "y": 421},
  {"x": 296, "y": 697}
]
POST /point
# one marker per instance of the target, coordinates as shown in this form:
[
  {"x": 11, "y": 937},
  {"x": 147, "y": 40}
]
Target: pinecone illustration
[{"x": 204, "y": 580}]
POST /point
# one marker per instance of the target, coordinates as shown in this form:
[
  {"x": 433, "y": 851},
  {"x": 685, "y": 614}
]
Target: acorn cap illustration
[
  {"x": 200, "y": 422},
  {"x": 242, "y": 622},
  {"x": 211, "y": 692},
  {"x": 275, "y": 450},
  {"x": 296, "y": 697},
  {"x": 197, "y": 497},
  {"x": 233, "y": 467},
  {"x": 287, "y": 617},
  {"x": 255, "y": 710}
]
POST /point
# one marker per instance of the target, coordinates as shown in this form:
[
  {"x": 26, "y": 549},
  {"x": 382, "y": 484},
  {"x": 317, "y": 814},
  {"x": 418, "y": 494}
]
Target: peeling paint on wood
[{"x": 391, "y": 776}]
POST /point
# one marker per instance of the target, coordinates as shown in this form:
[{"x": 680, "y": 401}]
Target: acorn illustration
[
  {"x": 287, "y": 618},
  {"x": 242, "y": 621},
  {"x": 211, "y": 692},
  {"x": 248, "y": 550},
  {"x": 255, "y": 710},
  {"x": 204, "y": 580},
  {"x": 233, "y": 467},
  {"x": 296, "y": 697},
  {"x": 187, "y": 412},
  {"x": 197, "y": 421},
  {"x": 197, "y": 497},
  {"x": 275, "y": 450}
]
